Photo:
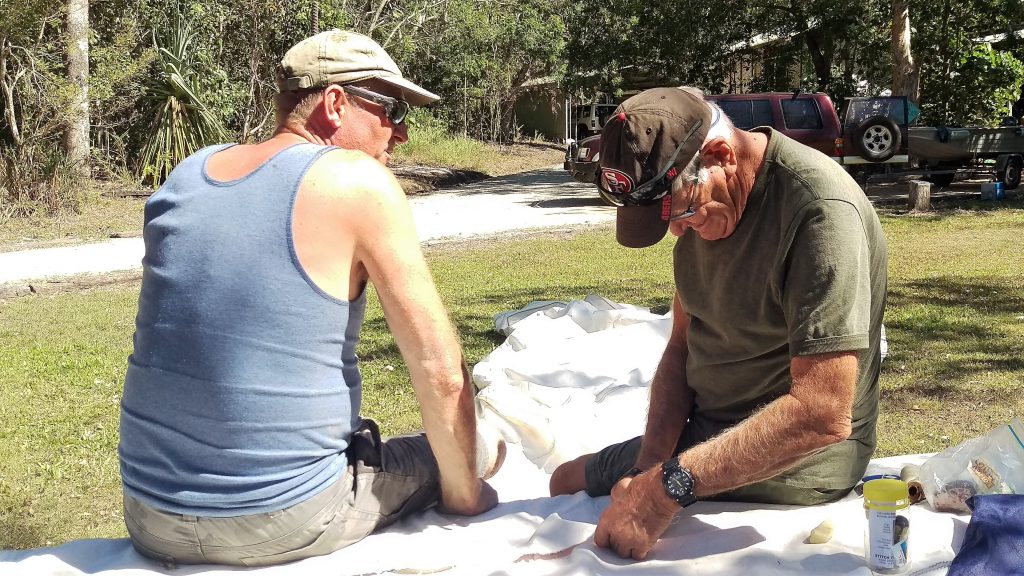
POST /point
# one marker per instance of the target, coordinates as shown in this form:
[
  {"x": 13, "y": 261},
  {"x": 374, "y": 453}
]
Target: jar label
[{"x": 887, "y": 539}]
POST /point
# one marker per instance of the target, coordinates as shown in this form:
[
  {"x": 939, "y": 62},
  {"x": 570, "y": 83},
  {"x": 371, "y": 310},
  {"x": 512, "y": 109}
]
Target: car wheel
[
  {"x": 878, "y": 138},
  {"x": 1010, "y": 176}
]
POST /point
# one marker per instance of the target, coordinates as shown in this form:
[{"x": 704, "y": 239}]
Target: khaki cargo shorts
[{"x": 384, "y": 481}]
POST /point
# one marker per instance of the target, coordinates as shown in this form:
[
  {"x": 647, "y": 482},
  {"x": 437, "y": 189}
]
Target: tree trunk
[
  {"x": 7, "y": 90},
  {"x": 76, "y": 133},
  {"x": 906, "y": 75},
  {"x": 822, "y": 59},
  {"x": 314, "y": 18}
]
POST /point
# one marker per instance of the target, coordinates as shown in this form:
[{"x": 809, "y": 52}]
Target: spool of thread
[{"x": 911, "y": 474}]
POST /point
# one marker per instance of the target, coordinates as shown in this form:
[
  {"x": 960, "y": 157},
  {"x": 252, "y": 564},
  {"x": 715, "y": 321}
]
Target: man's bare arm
[
  {"x": 388, "y": 246},
  {"x": 814, "y": 415},
  {"x": 671, "y": 399}
]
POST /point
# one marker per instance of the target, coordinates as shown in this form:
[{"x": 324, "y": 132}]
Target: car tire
[
  {"x": 1010, "y": 176},
  {"x": 877, "y": 139}
]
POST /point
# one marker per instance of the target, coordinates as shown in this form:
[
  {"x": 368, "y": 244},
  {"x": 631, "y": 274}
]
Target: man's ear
[
  {"x": 332, "y": 105},
  {"x": 718, "y": 152}
]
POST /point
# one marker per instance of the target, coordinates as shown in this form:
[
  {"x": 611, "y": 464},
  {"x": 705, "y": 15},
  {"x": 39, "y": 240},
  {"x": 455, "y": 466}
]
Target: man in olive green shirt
[{"x": 768, "y": 387}]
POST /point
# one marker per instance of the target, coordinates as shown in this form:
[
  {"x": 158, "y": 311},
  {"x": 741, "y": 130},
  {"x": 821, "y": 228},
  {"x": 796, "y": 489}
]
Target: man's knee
[{"x": 570, "y": 477}]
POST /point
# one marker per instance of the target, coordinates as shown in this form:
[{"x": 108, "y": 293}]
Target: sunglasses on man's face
[{"x": 395, "y": 109}]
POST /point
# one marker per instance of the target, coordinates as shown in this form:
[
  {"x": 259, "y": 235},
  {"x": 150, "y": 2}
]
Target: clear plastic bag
[{"x": 991, "y": 464}]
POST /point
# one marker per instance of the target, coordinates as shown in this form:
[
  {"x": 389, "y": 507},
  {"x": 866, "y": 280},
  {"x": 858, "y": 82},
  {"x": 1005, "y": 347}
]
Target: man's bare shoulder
[{"x": 351, "y": 174}]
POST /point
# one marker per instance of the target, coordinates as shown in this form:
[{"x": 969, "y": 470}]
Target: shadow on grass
[
  {"x": 16, "y": 530},
  {"x": 958, "y": 335},
  {"x": 948, "y": 206},
  {"x": 986, "y": 296}
]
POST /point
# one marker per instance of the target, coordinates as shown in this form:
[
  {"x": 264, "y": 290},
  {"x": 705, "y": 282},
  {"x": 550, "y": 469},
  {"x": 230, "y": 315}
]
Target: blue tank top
[{"x": 243, "y": 388}]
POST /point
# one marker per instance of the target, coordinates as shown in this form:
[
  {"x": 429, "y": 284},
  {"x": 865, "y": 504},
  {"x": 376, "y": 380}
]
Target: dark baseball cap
[{"x": 646, "y": 143}]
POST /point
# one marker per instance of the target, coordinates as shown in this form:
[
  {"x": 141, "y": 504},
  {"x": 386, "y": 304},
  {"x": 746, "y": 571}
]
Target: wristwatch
[
  {"x": 677, "y": 482},
  {"x": 633, "y": 472}
]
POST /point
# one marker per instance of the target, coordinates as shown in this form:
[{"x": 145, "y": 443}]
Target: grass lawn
[{"x": 955, "y": 325}]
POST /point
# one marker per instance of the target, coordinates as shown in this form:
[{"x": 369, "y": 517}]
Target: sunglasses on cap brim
[
  {"x": 658, "y": 187},
  {"x": 395, "y": 109}
]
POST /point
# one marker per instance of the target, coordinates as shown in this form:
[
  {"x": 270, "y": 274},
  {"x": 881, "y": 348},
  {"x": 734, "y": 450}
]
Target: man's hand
[
  {"x": 486, "y": 499},
  {"x": 638, "y": 515}
]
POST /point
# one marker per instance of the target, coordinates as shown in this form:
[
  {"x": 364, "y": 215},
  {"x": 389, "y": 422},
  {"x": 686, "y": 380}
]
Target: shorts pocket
[{"x": 341, "y": 531}]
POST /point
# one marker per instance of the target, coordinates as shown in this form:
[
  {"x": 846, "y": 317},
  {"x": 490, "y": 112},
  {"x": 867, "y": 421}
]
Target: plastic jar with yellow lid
[{"x": 886, "y": 536}]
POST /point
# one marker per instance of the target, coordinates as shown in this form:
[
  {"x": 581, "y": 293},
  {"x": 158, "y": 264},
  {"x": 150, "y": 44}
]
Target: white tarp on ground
[{"x": 566, "y": 381}]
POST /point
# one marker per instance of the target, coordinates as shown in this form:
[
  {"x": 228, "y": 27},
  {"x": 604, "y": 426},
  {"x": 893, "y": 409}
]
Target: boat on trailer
[
  {"x": 941, "y": 144},
  {"x": 945, "y": 150}
]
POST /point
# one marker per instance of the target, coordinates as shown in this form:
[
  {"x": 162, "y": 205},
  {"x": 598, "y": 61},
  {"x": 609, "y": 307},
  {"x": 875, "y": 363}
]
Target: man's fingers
[{"x": 601, "y": 536}]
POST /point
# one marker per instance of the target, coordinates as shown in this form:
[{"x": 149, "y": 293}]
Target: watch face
[{"x": 678, "y": 483}]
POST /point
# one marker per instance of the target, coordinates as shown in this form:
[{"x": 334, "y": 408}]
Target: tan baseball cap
[{"x": 343, "y": 57}]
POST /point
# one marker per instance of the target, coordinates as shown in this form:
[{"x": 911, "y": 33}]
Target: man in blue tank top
[{"x": 241, "y": 438}]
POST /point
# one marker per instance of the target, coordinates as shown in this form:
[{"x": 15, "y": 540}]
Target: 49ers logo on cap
[{"x": 616, "y": 181}]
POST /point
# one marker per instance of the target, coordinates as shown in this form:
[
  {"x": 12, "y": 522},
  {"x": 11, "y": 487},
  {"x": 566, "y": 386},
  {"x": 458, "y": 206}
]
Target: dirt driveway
[{"x": 538, "y": 199}]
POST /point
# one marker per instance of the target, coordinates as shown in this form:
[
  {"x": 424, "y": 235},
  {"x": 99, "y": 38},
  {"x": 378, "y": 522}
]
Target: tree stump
[{"x": 920, "y": 198}]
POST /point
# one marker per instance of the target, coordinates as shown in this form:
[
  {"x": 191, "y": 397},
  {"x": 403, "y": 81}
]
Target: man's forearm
[
  {"x": 449, "y": 418},
  {"x": 670, "y": 404},
  {"x": 671, "y": 398},
  {"x": 814, "y": 415},
  {"x": 765, "y": 445}
]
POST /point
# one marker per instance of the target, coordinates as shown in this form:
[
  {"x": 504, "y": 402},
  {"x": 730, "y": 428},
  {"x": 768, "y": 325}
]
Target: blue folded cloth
[{"x": 994, "y": 541}]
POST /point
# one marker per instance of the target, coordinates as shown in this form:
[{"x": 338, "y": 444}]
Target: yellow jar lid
[{"x": 886, "y": 490}]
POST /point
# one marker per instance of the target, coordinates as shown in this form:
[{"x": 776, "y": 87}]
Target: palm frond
[{"x": 179, "y": 121}]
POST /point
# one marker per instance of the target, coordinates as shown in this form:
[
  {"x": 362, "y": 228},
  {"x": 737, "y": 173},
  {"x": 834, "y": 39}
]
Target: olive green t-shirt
[{"x": 803, "y": 273}]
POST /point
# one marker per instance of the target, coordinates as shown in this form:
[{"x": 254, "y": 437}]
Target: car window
[
  {"x": 801, "y": 114},
  {"x": 861, "y": 110},
  {"x": 739, "y": 112},
  {"x": 762, "y": 110},
  {"x": 604, "y": 111},
  {"x": 747, "y": 114}
]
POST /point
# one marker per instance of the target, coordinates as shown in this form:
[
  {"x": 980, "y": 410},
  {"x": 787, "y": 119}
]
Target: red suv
[{"x": 806, "y": 117}]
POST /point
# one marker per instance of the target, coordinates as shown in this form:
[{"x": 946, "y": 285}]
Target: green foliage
[
  {"x": 480, "y": 56},
  {"x": 118, "y": 67},
  {"x": 34, "y": 176},
  {"x": 963, "y": 81},
  {"x": 620, "y": 43},
  {"x": 991, "y": 80},
  {"x": 179, "y": 120},
  {"x": 431, "y": 144}
]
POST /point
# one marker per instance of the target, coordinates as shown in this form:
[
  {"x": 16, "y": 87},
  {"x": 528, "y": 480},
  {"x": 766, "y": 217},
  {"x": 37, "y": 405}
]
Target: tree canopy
[{"x": 480, "y": 56}]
